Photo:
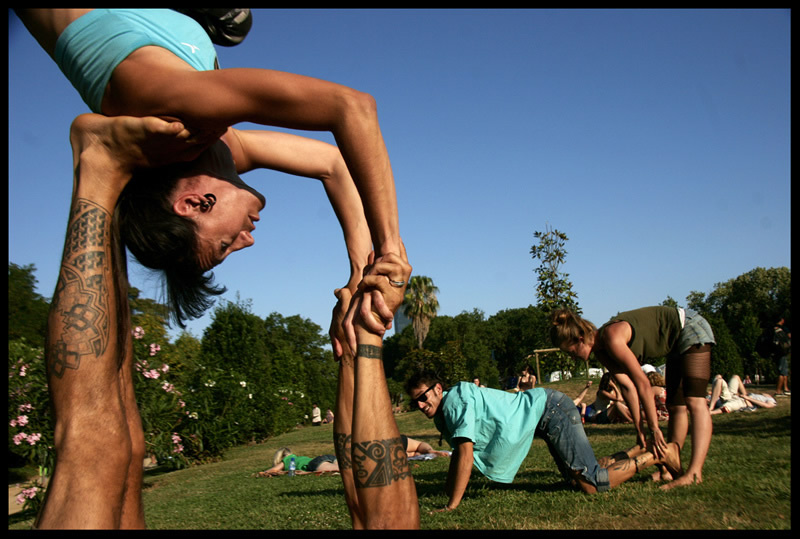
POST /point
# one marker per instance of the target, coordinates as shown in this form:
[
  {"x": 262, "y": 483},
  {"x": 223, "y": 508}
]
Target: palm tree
[{"x": 420, "y": 305}]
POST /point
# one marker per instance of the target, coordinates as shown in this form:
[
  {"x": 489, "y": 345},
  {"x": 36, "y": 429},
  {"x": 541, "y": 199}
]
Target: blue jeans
[{"x": 561, "y": 428}]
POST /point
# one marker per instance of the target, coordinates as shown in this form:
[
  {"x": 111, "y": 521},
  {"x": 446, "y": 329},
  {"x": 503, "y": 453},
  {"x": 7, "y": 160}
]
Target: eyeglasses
[{"x": 423, "y": 397}]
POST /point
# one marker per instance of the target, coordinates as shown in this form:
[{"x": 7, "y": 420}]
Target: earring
[{"x": 208, "y": 203}]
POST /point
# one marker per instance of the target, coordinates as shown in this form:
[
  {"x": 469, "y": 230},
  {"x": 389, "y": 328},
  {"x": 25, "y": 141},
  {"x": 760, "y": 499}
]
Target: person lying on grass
[
  {"x": 328, "y": 463},
  {"x": 493, "y": 430}
]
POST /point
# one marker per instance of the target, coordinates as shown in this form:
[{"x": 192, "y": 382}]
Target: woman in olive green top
[{"x": 626, "y": 342}]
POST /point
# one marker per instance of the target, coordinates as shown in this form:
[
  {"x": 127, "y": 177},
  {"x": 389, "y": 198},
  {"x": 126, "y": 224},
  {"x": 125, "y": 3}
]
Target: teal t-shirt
[
  {"x": 499, "y": 424},
  {"x": 300, "y": 463}
]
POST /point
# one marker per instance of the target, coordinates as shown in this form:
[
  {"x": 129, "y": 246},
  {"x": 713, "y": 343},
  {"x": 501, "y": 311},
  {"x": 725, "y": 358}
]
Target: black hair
[
  {"x": 164, "y": 241},
  {"x": 422, "y": 378}
]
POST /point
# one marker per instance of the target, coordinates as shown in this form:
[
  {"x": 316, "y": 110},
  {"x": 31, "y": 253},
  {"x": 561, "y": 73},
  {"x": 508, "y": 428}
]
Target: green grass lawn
[{"x": 746, "y": 486}]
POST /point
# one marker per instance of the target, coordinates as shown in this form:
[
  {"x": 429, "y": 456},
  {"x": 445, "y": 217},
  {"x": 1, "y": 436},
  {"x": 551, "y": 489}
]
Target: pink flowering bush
[
  {"x": 161, "y": 406},
  {"x": 30, "y": 427}
]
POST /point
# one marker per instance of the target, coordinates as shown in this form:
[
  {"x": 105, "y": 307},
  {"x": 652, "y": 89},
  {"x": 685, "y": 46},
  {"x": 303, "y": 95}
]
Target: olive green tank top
[{"x": 655, "y": 331}]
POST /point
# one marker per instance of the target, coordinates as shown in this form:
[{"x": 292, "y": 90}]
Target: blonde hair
[
  {"x": 656, "y": 379},
  {"x": 567, "y": 328},
  {"x": 280, "y": 454}
]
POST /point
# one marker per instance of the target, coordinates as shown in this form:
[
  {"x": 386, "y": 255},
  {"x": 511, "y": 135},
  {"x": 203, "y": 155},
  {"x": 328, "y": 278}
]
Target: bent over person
[
  {"x": 493, "y": 431},
  {"x": 162, "y": 62},
  {"x": 99, "y": 442},
  {"x": 625, "y": 343}
]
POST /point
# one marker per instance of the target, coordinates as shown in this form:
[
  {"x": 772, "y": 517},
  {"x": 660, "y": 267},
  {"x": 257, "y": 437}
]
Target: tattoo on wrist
[
  {"x": 369, "y": 351},
  {"x": 81, "y": 299},
  {"x": 377, "y": 463}
]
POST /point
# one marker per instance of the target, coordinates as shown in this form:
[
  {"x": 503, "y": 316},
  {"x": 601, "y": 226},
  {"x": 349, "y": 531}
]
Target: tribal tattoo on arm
[{"x": 80, "y": 307}]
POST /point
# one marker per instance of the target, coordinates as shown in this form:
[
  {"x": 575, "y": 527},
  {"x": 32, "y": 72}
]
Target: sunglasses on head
[{"x": 423, "y": 397}]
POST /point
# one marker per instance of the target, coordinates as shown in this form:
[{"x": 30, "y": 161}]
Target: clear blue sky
[{"x": 658, "y": 141}]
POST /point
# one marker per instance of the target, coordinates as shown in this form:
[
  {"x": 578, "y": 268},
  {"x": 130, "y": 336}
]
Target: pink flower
[
  {"x": 19, "y": 437},
  {"x": 25, "y": 407},
  {"x": 154, "y": 349},
  {"x": 178, "y": 449},
  {"x": 164, "y": 367},
  {"x": 28, "y": 493},
  {"x": 33, "y": 438},
  {"x": 22, "y": 370},
  {"x": 20, "y": 420},
  {"x": 138, "y": 332},
  {"x": 152, "y": 373},
  {"x": 176, "y": 438},
  {"x": 169, "y": 388}
]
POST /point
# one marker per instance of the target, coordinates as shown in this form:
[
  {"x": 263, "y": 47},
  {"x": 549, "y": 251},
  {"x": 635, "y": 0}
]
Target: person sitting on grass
[
  {"x": 608, "y": 406},
  {"x": 732, "y": 396}
]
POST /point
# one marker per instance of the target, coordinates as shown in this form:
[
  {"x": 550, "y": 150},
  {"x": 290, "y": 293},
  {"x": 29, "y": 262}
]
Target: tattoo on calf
[
  {"x": 341, "y": 446},
  {"x": 377, "y": 463},
  {"x": 81, "y": 299},
  {"x": 368, "y": 350}
]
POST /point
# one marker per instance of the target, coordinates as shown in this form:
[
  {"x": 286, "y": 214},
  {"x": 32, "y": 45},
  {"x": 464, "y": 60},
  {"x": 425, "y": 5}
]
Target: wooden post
[{"x": 542, "y": 351}]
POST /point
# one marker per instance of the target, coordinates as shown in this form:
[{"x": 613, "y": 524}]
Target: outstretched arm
[
  {"x": 459, "y": 472},
  {"x": 633, "y": 383}
]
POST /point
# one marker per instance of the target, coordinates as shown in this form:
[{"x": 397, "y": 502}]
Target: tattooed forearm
[
  {"x": 80, "y": 308},
  {"x": 368, "y": 350},
  {"x": 377, "y": 463},
  {"x": 341, "y": 446}
]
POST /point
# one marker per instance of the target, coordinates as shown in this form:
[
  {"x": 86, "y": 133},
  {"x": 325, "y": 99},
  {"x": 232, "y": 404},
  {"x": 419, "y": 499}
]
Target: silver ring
[{"x": 397, "y": 284}]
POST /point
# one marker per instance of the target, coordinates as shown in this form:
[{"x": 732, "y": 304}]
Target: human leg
[
  {"x": 92, "y": 439},
  {"x": 386, "y": 491},
  {"x": 696, "y": 371},
  {"x": 624, "y": 469},
  {"x": 579, "y": 399},
  {"x": 132, "y": 516},
  {"x": 342, "y": 437},
  {"x": 561, "y": 429},
  {"x": 97, "y": 428}
]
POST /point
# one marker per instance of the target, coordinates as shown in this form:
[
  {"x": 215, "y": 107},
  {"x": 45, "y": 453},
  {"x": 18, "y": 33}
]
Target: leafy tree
[
  {"x": 469, "y": 331},
  {"x": 725, "y": 357},
  {"x": 420, "y": 305},
  {"x": 449, "y": 364},
  {"x": 27, "y": 310},
  {"x": 750, "y": 305},
  {"x": 554, "y": 289}
]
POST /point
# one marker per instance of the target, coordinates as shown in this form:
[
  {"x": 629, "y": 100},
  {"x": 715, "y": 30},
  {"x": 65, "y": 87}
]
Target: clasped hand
[{"x": 374, "y": 302}]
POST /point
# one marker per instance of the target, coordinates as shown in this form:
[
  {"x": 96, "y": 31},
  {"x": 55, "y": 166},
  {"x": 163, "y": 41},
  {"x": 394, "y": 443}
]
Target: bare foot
[
  {"x": 672, "y": 461},
  {"x": 686, "y": 479},
  {"x": 661, "y": 475},
  {"x": 134, "y": 142}
]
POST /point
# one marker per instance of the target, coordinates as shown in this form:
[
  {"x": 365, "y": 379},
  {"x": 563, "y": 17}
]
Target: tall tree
[
  {"x": 420, "y": 305},
  {"x": 554, "y": 288}
]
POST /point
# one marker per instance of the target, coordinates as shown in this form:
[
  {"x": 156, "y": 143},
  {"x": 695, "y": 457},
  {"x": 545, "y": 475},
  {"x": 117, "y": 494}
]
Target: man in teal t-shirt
[
  {"x": 501, "y": 425},
  {"x": 493, "y": 430}
]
